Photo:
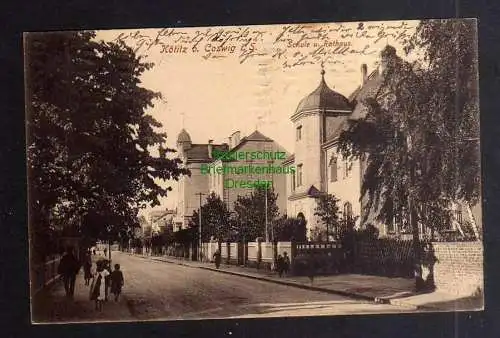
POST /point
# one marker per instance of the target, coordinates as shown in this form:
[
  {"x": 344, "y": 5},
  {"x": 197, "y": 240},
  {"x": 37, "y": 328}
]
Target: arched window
[
  {"x": 333, "y": 169},
  {"x": 347, "y": 211},
  {"x": 299, "y": 133},
  {"x": 299, "y": 175}
]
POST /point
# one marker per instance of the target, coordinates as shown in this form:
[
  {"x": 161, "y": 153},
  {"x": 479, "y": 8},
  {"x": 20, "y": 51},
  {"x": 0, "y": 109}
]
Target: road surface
[
  {"x": 160, "y": 290},
  {"x": 157, "y": 290}
]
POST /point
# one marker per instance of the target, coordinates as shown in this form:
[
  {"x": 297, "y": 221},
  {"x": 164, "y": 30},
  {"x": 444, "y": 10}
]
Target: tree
[
  {"x": 90, "y": 140},
  {"x": 328, "y": 211},
  {"x": 420, "y": 133},
  {"x": 290, "y": 229},
  {"x": 419, "y": 137},
  {"x": 251, "y": 213},
  {"x": 214, "y": 219}
]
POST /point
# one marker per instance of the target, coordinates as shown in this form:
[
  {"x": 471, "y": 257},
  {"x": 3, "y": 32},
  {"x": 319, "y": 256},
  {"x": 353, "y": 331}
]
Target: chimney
[
  {"x": 236, "y": 138},
  {"x": 210, "y": 148},
  {"x": 364, "y": 72},
  {"x": 230, "y": 142}
]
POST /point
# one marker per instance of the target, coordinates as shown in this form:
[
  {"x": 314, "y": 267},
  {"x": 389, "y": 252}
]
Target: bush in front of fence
[{"x": 389, "y": 257}]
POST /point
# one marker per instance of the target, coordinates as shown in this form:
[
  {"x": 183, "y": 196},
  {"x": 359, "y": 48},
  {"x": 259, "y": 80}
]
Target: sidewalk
[
  {"x": 396, "y": 291},
  {"x": 51, "y": 305}
]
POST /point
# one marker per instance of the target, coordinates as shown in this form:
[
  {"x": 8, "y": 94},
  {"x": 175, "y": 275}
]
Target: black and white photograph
[{"x": 259, "y": 171}]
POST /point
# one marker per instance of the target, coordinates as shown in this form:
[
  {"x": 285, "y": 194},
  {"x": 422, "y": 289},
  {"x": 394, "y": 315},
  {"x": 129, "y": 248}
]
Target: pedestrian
[
  {"x": 87, "y": 266},
  {"x": 68, "y": 269},
  {"x": 105, "y": 251},
  {"x": 107, "y": 280},
  {"x": 98, "y": 289},
  {"x": 286, "y": 263},
  {"x": 93, "y": 251},
  {"x": 116, "y": 282},
  {"x": 279, "y": 265},
  {"x": 217, "y": 258}
]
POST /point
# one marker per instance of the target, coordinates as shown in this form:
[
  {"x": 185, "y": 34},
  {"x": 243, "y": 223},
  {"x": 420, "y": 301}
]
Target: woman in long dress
[{"x": 99, "y": 285}]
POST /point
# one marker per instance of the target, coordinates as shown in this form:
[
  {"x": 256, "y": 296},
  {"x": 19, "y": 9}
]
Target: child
[{"x": 116, "y": 282}]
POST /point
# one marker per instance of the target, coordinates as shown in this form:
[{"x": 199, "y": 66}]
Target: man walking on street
[
  {"x": 217, "y": 258},
  {"x": 286, "y": 264},
  {"x": 68, "y": 269}
]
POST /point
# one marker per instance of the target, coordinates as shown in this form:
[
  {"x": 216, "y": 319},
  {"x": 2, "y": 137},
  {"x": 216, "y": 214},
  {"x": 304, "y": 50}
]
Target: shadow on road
[{"x": 474, "y": 303}]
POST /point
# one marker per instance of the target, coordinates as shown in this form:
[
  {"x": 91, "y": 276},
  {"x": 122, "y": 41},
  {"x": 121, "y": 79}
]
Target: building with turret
[
  {"x": 193, "y": 156},
  {"x": 318, "y": 121},
  {"x": 206, "y": 177}
]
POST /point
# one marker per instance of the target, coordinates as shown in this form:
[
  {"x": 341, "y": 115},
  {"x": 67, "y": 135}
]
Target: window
[
  {"x": 333, "y": 169},
  {"x": 400, "y": 219},
  {"x": 293, "y": 182},
  {"x": 299, "y": 133},
  {"x": 347, "y": 168},
  {"x": 299, "y": 175},
  {"x": 347, "y": 211}
]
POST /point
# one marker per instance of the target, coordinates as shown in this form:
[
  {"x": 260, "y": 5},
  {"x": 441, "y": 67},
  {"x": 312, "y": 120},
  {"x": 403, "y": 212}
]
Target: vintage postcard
[{"x": 254, "y": 171}]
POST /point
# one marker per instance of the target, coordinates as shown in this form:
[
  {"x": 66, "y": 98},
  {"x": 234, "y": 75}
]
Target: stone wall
[{"x": 459, "y": 267}]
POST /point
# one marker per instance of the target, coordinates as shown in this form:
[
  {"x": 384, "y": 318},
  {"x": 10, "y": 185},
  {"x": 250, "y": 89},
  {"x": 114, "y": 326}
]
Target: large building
[
  {"x": 318, "y": 121},
  {"x": 193, "y": 156},
  {"x": 211, "y": 173},
  {"x": 159, "y": 219}
]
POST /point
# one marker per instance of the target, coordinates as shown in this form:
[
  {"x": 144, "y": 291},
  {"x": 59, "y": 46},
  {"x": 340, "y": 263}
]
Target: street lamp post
[{"x": 267, "y": 231}]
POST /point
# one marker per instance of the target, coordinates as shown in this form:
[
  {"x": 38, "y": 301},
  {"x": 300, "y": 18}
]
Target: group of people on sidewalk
[
  {"x": 283, "y": 264},
  {"x": 100, "y": 280}
]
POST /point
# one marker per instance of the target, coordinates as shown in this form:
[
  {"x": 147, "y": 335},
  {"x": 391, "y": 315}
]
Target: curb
[
  {"x": 297, "y": 285},
  {"x": 282, "y": 282},
  {"x": 353, "y": 295}
]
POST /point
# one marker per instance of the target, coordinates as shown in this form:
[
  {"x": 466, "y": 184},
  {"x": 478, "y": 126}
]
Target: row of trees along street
[
  {"x": 248, "y": 220},
  {"x": 91, "y": 144}
]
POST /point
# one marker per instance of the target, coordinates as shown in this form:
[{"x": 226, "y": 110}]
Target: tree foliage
[
  {"x": 290, "y": 229},
  {"x": 90, "y": 140},
  {"x": 214, "y": 219},
  {"x": 251, "y": 213},
  {"x": 419, "y": 139},
  {"x": 328, "y": 211}
]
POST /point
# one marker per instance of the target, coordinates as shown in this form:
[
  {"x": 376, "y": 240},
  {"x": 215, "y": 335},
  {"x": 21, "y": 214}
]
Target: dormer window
[
  {"x": 333, "y": 169},
  {"x": 298, "y": 133}
]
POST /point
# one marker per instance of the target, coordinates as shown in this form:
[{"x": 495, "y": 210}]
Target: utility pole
[
  {"x": 199, "y": 228},
  {"x": 267, "y": 232}
]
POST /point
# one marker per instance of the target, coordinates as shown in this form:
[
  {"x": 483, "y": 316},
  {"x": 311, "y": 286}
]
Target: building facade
[
  {"x": 318, "y": 121},
  {"x": 193, "y": 156},
  {"x": 228, "y": 179}
]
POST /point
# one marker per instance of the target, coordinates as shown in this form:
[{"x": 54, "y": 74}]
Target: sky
[{"x": 217, "y": 80}]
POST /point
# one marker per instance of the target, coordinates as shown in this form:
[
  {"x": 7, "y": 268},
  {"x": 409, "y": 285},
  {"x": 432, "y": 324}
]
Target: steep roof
[
  {"x": 323, "y": 98},
  {"x": 256, "y": 136},
  {"x": 183, "y": 136},
  {"x": 200, "y": 151},
  {"x": 370, "y": 88}
]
